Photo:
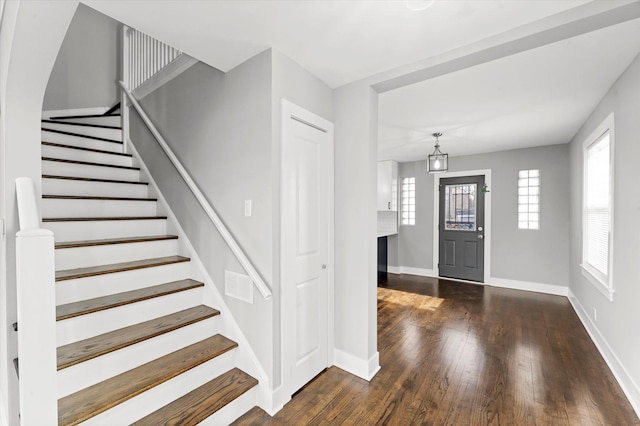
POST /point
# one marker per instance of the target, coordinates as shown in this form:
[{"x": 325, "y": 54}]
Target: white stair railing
[
  {"x": 146, "y": 56},
  {"x": 208, "y": 209},
  {"x": 36, "y": 308}
]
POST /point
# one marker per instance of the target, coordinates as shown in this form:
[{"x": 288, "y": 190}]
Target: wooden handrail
[{"x": 213, "y": 216}]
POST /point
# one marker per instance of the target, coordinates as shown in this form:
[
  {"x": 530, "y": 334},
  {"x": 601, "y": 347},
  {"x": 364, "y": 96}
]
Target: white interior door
[{"x": 306, "y": 211}]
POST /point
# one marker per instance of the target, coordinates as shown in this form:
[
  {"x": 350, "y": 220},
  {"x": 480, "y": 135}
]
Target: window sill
[{"x": 597, "y": 283}]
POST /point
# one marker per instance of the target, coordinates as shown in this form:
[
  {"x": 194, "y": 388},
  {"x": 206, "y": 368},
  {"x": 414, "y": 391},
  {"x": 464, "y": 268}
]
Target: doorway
[
  {"x": 306, "y": 245},
  {"x": 461, "y": 229}
]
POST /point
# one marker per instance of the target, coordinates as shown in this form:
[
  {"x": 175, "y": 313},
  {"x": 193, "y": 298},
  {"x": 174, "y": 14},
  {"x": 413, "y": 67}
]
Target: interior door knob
[
  {"x": 324, "y": 266},
  {"x": 480, "y": 236}
]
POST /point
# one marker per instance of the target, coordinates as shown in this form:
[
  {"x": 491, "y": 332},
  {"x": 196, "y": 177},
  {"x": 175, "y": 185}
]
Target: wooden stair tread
[
  {"x": 81, "y": 148},
  {"x": 70, "y": 274},
  {"x": 67, "y": 117},
  {"x": 85, "y": 179},
  {"x": 89, "y": 402},
  {"x": 77, "y": 352},
  {"x": 110, "y": 241},
  {"x": 84, "y": 307},
  {"x": 99, "y": 126},
  {"x": 92, "y": 197},
  {"x": 89, "y": 219},
  {"x": 89, "y": 163},
  {"x": 202, "y": 402},
  {"x": 80, "y": 135}
]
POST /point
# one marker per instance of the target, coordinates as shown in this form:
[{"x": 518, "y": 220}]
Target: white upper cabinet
[{"x": 388, "y": 186}]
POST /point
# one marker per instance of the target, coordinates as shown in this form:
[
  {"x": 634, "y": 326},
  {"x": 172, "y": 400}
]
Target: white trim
[
  {"x": 487, "y": 215},
  {"x": 165, "y": 75},
  {"x": 557, "y": 290},
  {"x": 624, "y": 379},
  {"x": 74, "y": 111},
  {"x": 290, "y": 111},
  {"x": 3, "y": 414},
  {"x": 365, "y": 369},
  {"x": 246, "y": 359},
  {"x": 202, "y": 200},
  {"x": 597, "y": 282},
  {"x": 491, "y": 281},
  {"x": 603, "y": 283}
]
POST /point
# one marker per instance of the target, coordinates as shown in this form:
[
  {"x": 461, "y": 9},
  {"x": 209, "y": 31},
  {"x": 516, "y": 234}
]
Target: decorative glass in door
[{"x": 460, "y": 207}]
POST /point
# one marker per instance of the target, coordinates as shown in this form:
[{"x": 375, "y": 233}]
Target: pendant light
[{"x": 438, "y": 162}]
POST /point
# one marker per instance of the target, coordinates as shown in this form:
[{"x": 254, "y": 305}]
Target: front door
[
  {"x": 461, "y": 229},
  {"x": 307, "y": 142}
]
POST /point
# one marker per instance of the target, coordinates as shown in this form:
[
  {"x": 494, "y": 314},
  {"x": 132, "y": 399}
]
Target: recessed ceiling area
[{"x": 537, "y": 97}]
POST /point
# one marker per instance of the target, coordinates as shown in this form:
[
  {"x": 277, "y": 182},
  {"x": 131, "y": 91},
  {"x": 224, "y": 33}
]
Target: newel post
[{"x": 35, "y": 276}]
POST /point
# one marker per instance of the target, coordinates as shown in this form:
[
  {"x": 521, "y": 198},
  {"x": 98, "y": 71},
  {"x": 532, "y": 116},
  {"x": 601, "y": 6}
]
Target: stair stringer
[{"x": 246, "y": 358}]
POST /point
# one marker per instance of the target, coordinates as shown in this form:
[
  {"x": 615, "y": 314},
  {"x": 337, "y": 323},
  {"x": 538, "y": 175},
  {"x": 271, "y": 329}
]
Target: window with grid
[
  {"x": 529, "y": 199},
  {"x": 409, "y": 201}
]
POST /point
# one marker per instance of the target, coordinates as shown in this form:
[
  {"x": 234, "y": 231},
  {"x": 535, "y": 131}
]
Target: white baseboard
[
  {"x": 528, "y": 286},
  {"x": 365, "y": 369},
  {"x": 412, "y": 271},
  {"x": 74, "y": 111},
  {"x": 165, "y": 75},
  {"x": 626, "y": 382},
  {"x": 492, "y": 281}
]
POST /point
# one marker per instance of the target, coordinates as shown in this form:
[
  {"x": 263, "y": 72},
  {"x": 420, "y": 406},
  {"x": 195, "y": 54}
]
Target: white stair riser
[
  {"x": 96, "y": 230},
  {"x": 82, "y": 257},
  {"x": 114, "y": 120},
  {"x": 159, "y": 396},
  {"x": 233, "y": 410},
  {"x": 86, "y": 130},
  {"x": 82, "y": 170},
  {"x": 90, "y": 325},
  {"x": 99, "y": 189},
  {"x": 70, "y": 291},
  {"x": 81, "y": 141},
  {"x": 85, "y": 374},
  {"x": 90, "y": 156},
  {"x": 55, "y": 207}
]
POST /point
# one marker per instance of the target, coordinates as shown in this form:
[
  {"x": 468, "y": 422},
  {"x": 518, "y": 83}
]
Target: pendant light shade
[{"x": 438, "y": 162}]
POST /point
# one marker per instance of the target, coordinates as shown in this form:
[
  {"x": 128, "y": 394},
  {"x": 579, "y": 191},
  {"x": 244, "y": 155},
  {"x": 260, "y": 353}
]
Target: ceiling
[{"x": 538, "y": 96}]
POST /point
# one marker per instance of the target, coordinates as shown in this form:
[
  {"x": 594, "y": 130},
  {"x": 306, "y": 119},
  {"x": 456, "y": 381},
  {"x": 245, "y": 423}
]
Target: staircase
[{"x": 135, "y": 344}]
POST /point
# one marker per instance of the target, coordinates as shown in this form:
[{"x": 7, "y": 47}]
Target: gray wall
[
  {"x": 617, "y": 319},
  {"x": 225, "y": 129},
  {"x": 524, "y": 255},
  {"x": 87, "y": 69}
]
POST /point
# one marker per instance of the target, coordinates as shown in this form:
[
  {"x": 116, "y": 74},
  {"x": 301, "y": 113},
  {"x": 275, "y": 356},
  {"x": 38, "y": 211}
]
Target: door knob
[
  {"x": 324, "y": 266},
  {"x": 480, "y": 236}
]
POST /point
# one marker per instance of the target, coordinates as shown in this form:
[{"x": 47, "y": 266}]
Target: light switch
[{"x": 247, "y": 208}]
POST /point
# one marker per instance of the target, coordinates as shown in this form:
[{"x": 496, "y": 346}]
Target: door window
[{"x": 460, "y": 207}]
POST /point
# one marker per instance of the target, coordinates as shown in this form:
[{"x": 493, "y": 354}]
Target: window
[
  {"x": 597, "y": 208},
  {"x": 529, "y": 199},
  {"x": 409, "y": 201}
]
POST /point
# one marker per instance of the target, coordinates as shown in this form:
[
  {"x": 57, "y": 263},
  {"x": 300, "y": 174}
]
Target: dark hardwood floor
[{"x": 462, "y": 354}]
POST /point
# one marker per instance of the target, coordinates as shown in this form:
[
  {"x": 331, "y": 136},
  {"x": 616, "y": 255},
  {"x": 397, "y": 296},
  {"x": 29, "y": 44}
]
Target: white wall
[
  {"x": 30, "y": 35},
  {"x": 535, "y": 256},
  {"x": 615, "y": 328},
  {"x": 355, "y": 109},
  {"x": 88, "y": 65},
  {"x": 225, "y": 128}
]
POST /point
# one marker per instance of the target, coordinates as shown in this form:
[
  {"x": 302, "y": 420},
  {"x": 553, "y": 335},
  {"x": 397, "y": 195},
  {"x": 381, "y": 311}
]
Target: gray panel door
[{"x": 462, "y": 228}]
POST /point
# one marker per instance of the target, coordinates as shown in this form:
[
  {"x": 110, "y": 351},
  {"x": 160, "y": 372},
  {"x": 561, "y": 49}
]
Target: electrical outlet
[{"x": 595, "y": 314}]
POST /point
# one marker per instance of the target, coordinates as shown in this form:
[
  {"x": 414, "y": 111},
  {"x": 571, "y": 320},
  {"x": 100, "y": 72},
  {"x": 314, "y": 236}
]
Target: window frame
[
  {"x": 602, "y": 282},
  {"x": 402, "y": 203},
  {"x": 539, "y": 177}
]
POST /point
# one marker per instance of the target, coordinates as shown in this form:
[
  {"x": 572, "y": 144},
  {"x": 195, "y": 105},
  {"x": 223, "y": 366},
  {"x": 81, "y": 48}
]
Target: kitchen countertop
[{"x": 386, "y": 233}]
